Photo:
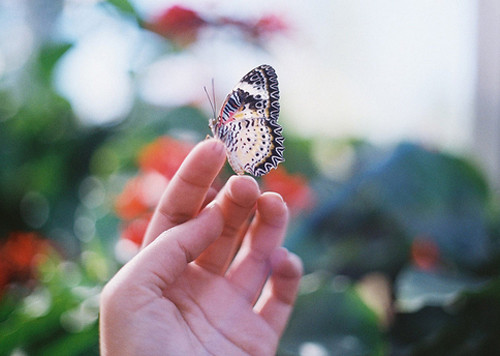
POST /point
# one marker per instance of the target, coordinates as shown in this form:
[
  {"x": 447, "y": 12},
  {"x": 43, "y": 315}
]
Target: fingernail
[
  {"x": 244, "y": 177},
  {"x": 277, "y": 195},
  {"x": 248, "y": 178},
  {"x": 217, "y": 145}
]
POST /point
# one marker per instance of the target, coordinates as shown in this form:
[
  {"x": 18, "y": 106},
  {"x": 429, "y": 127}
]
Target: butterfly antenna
[
  {"x": 213, "y": 96},
  {"x": 211, "y": 100}
]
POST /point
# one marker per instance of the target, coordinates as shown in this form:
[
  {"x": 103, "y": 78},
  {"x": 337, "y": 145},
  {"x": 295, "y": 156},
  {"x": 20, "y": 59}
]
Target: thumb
[{"x": 169, "y": 254}]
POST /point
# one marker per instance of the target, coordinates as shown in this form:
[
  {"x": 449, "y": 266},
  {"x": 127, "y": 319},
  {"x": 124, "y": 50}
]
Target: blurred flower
[
  {"x": 292, "y": 187},
  {"x": 178, "y": 24},
  {"x": 4, "y": 275},
  {"x": 182, "y": 25},
  {"x": 259, "y": 29},
  {"x": 424, "y": 253},
  {"x": 270, "y": 24},
  {"x": 129, "y": 204},
  {"x": 19, "y": 255},
  {"x": 134, "y": 230},
  {"x": 158, "y": 162},
  {"x": 140, "y": 195},
  {"x": 165, "y": 155}
]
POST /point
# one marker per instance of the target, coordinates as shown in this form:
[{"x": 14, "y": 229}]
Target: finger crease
[
  {"x": 258, "y": 255},
  {"x": 231, "y": 231},
  {"x": 275, "y": 222},
  {"x": 175, "y": 218},
  {"x": 193, "y": 182},
  {"x": 185, "y": 251},
  {"x": 239, "y": 205},
  {"x": 221, "y": 331}
]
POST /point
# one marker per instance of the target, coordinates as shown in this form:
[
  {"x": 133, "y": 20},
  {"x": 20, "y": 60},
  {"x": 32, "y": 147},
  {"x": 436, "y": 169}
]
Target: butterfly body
[{"x": 248, "y": 123}]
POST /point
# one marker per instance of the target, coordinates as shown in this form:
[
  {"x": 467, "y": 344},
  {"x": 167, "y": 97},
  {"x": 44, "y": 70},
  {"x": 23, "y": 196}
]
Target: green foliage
[
  {"x": 341, "y": 322},
  {"x": 400, "y": 195},
  {"x": 125, "y": 7},
  {"x": 464, "y": 328},
  {"x": 298, "y": 156},
  {"x": 59, "y": 317},
  {"x": 48, "y": 58}
]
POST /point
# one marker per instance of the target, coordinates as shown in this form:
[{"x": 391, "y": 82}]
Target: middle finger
[{"x": 237, "y": 201}]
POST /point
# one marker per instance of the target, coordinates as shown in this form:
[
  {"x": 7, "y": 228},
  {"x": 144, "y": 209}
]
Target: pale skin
[{"x": 207, "y": 281}]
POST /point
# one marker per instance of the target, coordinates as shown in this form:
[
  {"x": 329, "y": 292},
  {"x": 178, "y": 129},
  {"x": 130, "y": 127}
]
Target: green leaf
[
  {"x": 85, "y": 342},
  {"x": 416, "y": 289},
  {"x": 48, "y": 57},
  {"x": 468, "y": 327},
  {"x": 333, "y": 317},
  {"x": 125, "y": 7},
  {"x": 405, "y": 194}
]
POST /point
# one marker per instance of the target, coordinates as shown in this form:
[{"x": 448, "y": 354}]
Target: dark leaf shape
[{"x": 410, "y": 192}]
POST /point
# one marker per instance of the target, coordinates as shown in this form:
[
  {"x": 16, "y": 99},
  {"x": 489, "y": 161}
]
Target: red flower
[
  {"x": 140, "y": 195},
  {"x": 178, "y": 24},
  {"x": 135, "y": 229},
  {"x": 19, "y": 255},
  {"x": 158, "y": 162},
  {"x": 4, "y": 275},
  {"x": 182, "y": 25},
  {"x": 269, "y": 24},
  {"x": 255, "y": 30},
  {"x": 424, "y": 253},
  {"x": 129, "y": 203},
  {"x": 165, "y": 156},
  {"x": 292, "y": 187}
]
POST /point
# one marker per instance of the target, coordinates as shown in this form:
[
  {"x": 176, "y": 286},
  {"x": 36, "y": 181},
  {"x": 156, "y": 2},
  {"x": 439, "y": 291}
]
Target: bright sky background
[{"x": 379, "y": 69}]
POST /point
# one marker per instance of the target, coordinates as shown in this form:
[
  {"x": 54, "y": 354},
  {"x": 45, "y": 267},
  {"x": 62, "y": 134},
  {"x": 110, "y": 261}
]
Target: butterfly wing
[
  {"x": 256, "y": 95},
  {"x": 256, "y": 146},
  {"x": 248, "y": 123}
]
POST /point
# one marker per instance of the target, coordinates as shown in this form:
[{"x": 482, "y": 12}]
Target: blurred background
[{"x": 391, "y": 117}]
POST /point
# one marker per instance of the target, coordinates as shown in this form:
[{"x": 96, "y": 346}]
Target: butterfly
[{"x": 248, "y": 123}]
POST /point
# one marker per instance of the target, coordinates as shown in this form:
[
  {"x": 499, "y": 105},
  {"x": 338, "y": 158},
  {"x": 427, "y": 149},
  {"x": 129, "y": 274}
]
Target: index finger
[{"x": 186, "y": 191}]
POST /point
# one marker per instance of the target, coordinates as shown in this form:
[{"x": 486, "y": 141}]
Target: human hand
[{"x": 206, "y": 281}]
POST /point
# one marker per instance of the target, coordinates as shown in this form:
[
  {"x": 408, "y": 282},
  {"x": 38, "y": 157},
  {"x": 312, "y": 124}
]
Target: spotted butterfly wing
[{"x": 248, "y": 123}]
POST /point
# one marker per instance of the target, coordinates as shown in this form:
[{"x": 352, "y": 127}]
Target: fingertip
[
  {"x": 286, "y": 263},
  {"x": 244, "y": 190},
  {"x": 215, "y": 145},
  {"x": 296, "y": 262},
  {"x": 209, "y": 154},
  {"x": 273, "y": 208},
  {"x": 273, "y": 197},
  {"x": 203, "y": 163}
]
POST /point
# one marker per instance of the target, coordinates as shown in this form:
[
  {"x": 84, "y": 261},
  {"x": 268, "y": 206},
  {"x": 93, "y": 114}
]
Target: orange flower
[
  {"x": 178, "y": 24},
  {"x": 292, "y": 187},
  {"x": 165, "y": 155},
  {"x": 424, "y": 253}
]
